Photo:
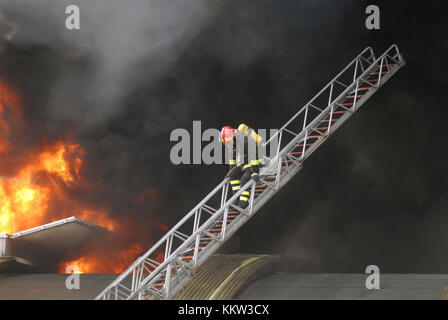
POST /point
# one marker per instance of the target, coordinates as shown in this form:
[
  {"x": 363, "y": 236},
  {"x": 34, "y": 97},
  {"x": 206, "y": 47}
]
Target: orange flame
[
  {"x": 75, "y": 266},
  {"x": 45, "y": 177},
  {"x": 112, "y": 264},
  {"x": 99, "y": 218},
  {"x": 37, "y": 189},
  {"x": 25, "y": 198}
]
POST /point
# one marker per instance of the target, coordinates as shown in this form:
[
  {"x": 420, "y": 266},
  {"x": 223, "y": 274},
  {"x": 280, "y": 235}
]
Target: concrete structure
[
  {"x": 305, "y": 286},
  {"x": 258, "y": 277},
  {"x": 50, "y": 286},
  {"x": 243, "y": 276},
  {"x": 224, "y": 276},
  {"x": 41, "y": 248}
]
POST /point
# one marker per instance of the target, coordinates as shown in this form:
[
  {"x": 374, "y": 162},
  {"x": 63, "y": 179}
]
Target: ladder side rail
[
  {"x": 368, "y": 49},
  {"x": 230, "y": 230},
  {"x": 325, "y": 113},
  {"x": 232, "y": 227},
  {"x": 165, "y": 238},
  {"x": 205, "y": 226},
  {"x": 331, "y": 83},
  {"x": 319, "y": 118},
  {"x": 254, "y": 204},
  {"x": 310, "y": 104},
  {"x": 187, "y": 243},
  {"x": 397, "y": 59},
  {"x": 178, "y": 252},
  {"x": 327, "y": 110}
]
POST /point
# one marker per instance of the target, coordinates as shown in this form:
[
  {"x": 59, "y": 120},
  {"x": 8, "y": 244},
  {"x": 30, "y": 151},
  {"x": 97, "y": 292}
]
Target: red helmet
[{"x": 227, "y": 134}]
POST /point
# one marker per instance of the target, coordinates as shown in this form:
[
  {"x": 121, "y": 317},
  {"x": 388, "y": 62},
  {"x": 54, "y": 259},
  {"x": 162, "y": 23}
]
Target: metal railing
[{"x": 163, "y": 270}]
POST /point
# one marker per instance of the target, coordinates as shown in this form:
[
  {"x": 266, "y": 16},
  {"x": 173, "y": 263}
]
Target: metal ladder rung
[
  {"x": 192, "y": 249},
  {"x": 228, "y": 219},
  {"x": 233, "y": 216},
  {"x": 219, "y": 223}
]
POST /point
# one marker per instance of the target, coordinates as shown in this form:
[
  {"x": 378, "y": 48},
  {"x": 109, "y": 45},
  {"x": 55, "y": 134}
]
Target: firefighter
[{"x": 245, "y": 158}]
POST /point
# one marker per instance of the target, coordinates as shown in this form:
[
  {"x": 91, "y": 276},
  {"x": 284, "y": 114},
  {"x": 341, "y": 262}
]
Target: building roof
[
  {"x": 51, "y": 286},
  {"x": 327, "y": 286},
  {"x": 48, "y": 244},
  {"x": 243, "y": 277},
  {"x": 223, "y": 276}
]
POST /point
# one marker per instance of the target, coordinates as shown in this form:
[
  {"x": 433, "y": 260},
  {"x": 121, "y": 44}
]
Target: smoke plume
[{"x": 375, "y": 193}]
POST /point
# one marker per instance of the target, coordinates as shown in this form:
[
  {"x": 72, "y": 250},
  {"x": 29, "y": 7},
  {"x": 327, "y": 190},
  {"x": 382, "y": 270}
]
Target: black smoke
[{"x": 375, "y": 193}]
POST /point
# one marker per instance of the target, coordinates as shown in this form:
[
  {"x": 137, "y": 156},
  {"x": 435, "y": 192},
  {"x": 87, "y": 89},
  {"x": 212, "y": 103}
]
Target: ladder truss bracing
[{"x": 164, "y": 270}]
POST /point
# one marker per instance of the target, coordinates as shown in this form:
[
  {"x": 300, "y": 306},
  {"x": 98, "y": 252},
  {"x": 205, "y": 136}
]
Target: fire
[
  {"x": 36, "y": 189},
  {"x": 55, "y": 163},
  {"x": 75, "y": 266},
  {"x": 127, "y": 257},
  {"x": 113, "y": 263},
  {"x": 40, "y": 184},
  {"x": 25, "y": 199},
  {"x": 99, "y": 218}
]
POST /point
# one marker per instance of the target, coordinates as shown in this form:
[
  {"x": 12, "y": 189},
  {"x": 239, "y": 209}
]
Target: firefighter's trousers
[{"x": 239, "y": 176}]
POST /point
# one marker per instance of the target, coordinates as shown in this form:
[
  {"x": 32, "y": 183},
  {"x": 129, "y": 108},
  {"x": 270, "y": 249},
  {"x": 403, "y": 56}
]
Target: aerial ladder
[{"x": 166, "y": 268}]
